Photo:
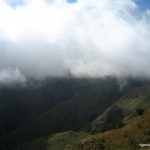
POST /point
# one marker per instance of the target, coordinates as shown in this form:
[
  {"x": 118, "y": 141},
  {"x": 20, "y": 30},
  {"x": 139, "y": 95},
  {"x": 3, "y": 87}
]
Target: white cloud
[
  {"x": 9, "y": 76},
  {"x": 88, "y": 38}
]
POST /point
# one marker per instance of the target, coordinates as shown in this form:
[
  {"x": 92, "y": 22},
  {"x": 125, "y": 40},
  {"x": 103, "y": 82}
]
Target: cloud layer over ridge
[{"x": 40, "y": 38}]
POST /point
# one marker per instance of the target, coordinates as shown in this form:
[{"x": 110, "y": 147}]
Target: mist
[{"x": 92, "y": 38}]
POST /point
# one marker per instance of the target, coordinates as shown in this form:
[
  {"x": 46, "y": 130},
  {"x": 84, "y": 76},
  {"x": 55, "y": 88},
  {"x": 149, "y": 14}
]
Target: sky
[
  {"x": 143, "y": 4},
  {"x": 94, "y": 38},
  {"x": 72, "y": 1}
]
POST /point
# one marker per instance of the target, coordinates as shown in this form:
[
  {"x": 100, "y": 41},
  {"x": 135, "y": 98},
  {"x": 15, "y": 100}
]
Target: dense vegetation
[{"x": 62, "y": 113}]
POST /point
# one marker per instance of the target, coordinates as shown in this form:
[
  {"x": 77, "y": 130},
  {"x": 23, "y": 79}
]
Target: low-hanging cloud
[
  {"x": 92, "y": 38},
  {"x": 10, "y": 76}
]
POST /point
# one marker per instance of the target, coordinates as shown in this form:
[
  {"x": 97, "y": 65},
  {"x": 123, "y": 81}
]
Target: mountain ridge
[{"x": 89, "y": 105}]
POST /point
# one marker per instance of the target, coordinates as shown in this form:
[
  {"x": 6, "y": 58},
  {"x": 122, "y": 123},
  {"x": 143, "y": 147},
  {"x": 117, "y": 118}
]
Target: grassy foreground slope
[
  {"x": 135, "y": 132},
  {"x": 57, "y": 141}
]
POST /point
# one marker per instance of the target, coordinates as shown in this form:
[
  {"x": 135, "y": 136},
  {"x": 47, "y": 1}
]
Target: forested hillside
[{"x": 83, "y": 105}]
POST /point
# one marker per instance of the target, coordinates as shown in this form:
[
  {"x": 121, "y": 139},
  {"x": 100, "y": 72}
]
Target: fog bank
[{"x": 94, "y": 38}]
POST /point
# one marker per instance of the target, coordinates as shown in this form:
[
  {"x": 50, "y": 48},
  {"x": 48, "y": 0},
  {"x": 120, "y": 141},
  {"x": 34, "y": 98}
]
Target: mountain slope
[
  {"x": 135, "y": 132},
  {"x": 93, "y": 105},
  {"x": 73, "y": 114},
  {"x": 127, "y": 107},
  {"x": 57, "y": 141},
  {"x": 33, "y": 100}
]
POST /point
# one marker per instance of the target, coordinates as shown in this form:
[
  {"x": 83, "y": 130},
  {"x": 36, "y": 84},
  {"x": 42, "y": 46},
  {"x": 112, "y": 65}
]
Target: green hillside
[
  {"x": 135, "y": 132},
  {"x": 25, "y": 103},
  {"x": 74, "y": 114},
  {"x": 77, "y": 114},
  {"x": 127, "y": 107},
  {"x": 55, "y": 142}
]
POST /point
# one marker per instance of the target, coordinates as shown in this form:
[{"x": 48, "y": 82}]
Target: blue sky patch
[
  {"x": 143, "y": 4},
  {"x": 14, "y": 3},
  {"x": 72, "y": 1}
]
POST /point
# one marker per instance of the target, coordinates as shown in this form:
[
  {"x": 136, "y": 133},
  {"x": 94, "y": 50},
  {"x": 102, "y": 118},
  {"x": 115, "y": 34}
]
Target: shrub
[
  {"x": 139, "y": 126},
  {"x": 147, "y": 131},
  {"x": 119, "y": 125},
  {"x": 146, "y": 139},
  {"x": 140, "y": 111},
  {"x": 125, "y": 134}
]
